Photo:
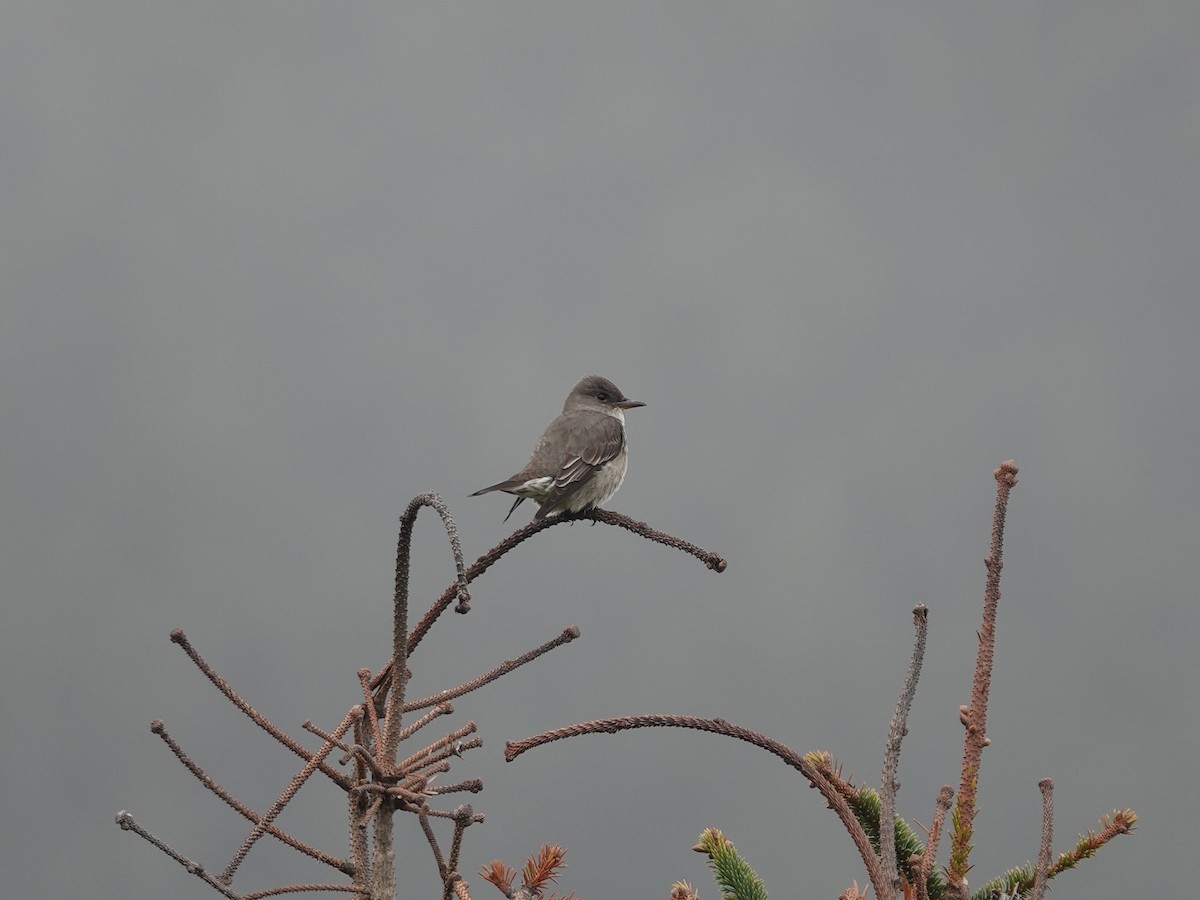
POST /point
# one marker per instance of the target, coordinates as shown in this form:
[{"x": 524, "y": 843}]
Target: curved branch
[
  {"x": 837, "y": 803},
  {"x": 400, "y": 624},
  {"x": 714, "y": 561}
]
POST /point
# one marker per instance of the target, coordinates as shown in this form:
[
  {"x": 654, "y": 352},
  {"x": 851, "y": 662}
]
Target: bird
[{"x": 580, "y": 460}]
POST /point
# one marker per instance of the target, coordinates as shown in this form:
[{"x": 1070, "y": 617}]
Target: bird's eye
[{"x": 601, "y": 396}]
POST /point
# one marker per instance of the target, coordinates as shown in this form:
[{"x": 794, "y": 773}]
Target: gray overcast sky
[{"x": 272, "y": 269}]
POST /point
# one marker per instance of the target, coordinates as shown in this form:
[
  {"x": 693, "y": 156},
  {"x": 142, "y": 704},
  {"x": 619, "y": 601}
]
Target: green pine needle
[{"x": 733, "y": 874}]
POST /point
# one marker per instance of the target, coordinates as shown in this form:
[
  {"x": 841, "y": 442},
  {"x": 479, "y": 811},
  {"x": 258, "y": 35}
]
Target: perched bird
[{"x": 580, "y": 459}]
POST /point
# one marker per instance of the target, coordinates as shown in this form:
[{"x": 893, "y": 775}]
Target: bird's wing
[{"x": 592, "y": 440}]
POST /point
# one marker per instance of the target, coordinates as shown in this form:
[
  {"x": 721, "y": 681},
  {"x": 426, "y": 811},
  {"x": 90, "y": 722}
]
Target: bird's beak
[{"x": 628, "y": 404}]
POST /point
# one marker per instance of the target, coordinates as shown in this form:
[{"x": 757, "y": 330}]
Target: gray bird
[{"x": 581, "y": 457}]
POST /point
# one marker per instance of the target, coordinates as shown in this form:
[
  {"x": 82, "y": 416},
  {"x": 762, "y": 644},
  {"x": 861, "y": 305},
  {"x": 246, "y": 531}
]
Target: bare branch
[
  {"x": 371, "y": 713},
  {"x": 301, "y": 889},
  {"x": 1043, "y": 865},
  {"x": 400, "y": 623},
  {"x": 203, "y": 777},
  {"x": 568, "y": 635},
  {"x": 975, "y": 716},
  {"x": 125, "y": 820},
  {"x": 423, "y": 818},
  {"x": 487, "y": 560},
  {"x": 442, "y": 709},
  {"x": 891, "y": 756},
  {"x": 288, "y": 793},
  {"x": 178, "y": 637},
  {"x": 836, "y": 801},
  {"x": 714, "y": 562},
  {"x": 423, "y": 756},
  {"x": 464, "y": 817}
]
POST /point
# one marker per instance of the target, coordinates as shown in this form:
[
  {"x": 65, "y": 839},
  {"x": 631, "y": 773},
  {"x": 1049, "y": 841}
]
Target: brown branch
[
  {"x": 289, "y": 792},
  {"x": 178, "y": 637},
  {"x": 400, "y": 619},
  {"x": 464, "y": 817},
  {"x": 944, "y": 797},
  {"x": 476, "y": 818},
  {"x": 371, "y": 713},
  {"x": 423, "y": 818},
  {"x": 1046, "y": 786},
  {"x": 491, "y": 557},
  {"x": 469, "y": 785},
  {"x": 442, "y": 709},
  {"x": 425, "y": 755},
  {"x": 127, "y": 823},
  {"x": 714, "y": 561},
  {"x": 975, "y": 716},
  {"x": 568, "y": 635},
  {"x": 301, "y": 889},
  {"x": 836, "y": 801},
  {"x": 891, "y": 756},
  {"x": 245, "y": 811}
]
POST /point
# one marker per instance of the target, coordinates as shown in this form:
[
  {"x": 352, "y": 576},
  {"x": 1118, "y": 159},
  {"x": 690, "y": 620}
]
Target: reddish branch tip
[
  {"x": 1007, "y": 472},
  {"x": 157, "y": 726},
  {"x": 178, "y": 636}
]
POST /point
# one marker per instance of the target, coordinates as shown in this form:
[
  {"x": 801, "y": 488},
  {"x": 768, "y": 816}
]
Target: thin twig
[
  {"x": 1046, "y": 786},
  {"x": 944, "y": 798},
  {"x": 421, "y": 757},
  {"x": 714, "y": 561},
  {"x": 463, "y": 817},
  {"x": 289, "y": 792},
  {"x": 891, "y": 756},
  {"x": 245, "y": 811},
  {"x": 126, "y": 821},
  {"x": 476, "y": 818},
  {"x": 469, "y": 785},
  {"x": 442, "y": 709},
  {"x": 975, "y": 716},
  {"x": 568, "y": 635},
  {"x": 423, "y": 818},
  {"x": 312, "y": 728},
  {"x": 372, "y": 714},
  {"x": 178, "y": 637}
]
